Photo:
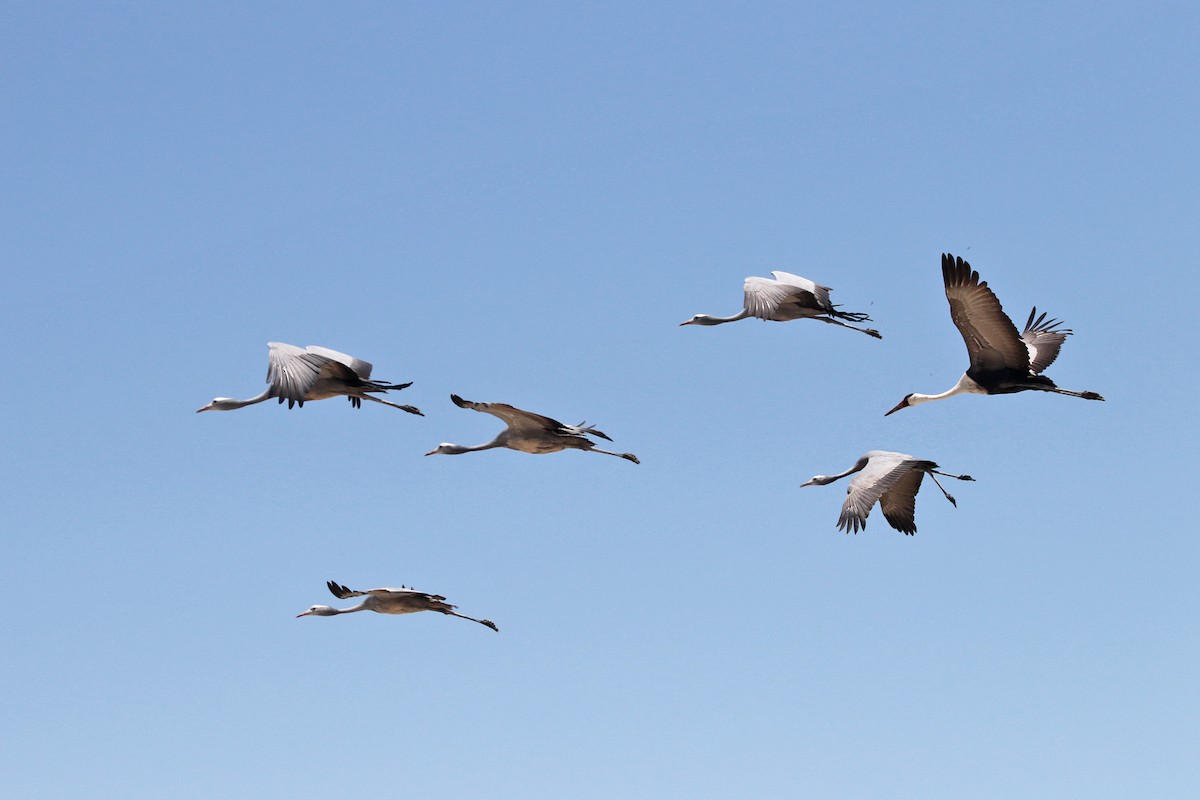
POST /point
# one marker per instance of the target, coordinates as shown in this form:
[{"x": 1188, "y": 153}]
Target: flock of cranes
[{"x": 1002, "y": 361}]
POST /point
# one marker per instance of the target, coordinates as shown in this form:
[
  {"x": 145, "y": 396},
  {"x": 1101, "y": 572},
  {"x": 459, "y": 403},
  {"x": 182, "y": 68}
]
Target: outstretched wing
[
  {"x": 292, "y": 371},
  {"x": 344, "y": 592},
  {"x": 763, "y": 297},
  {"x": 882, "y": 472},
  {"x": 361, "y": 368},
  {"x": 899, "y": 503},
  {"x": 991, "y": 338},
  {"x": 514, "y": 418},
  {"x": 1043, "y": 339},
  {"x": 820, "y": 293}
]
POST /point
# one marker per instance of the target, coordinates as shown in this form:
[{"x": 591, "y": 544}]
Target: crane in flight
[
  {"x": 299, "y": 374},
  {"x": 530, "y": 433},
  {"x": 1002, "y": 360},
  {"x": 892, "y": 480},
  {"x": 784, "y": 298},
  {"x": 390, "y": 601}
]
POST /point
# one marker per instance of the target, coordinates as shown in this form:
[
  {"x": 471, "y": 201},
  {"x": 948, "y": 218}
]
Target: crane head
[
  {"x": 902, "y": 404},
  {"x": 701, "y": 319},
  {"x": 318, "y": 611},
  {"x": 219, "y": 404}
]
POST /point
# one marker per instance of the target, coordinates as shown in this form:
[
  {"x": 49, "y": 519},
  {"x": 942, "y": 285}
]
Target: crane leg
[
  {"x": 949, "y": 496},
  {"x": 409, "y": 409},
  {"x": 626, "y": 456},
  {"x": 867, "y": 331}
]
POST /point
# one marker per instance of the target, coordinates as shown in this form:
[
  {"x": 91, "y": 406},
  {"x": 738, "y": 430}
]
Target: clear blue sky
[{"x": 519, "y": 203}]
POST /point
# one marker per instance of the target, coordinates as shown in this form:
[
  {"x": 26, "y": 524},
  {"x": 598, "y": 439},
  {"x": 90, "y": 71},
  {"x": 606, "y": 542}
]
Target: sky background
[{"x": 519, "y": 202}]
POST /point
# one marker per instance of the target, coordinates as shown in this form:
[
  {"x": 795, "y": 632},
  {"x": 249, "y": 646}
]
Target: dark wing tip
[
  {"x": 957, "y": 272},
  {"x": 337, "y": 590},
  {"x": 458, "y": 401},
  {"x": 1042, "y": 325}
]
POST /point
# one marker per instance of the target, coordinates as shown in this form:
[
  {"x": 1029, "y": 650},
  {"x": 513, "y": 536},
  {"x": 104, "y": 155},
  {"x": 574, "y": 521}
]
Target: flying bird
[
  {"x": 893, "y": 480},
  {"x": 390, "y": 601},
  {"x": 530, "y": 433},
  {"x": 785, "y": 298},
  {"x": 298, "y": 374},
  {"x": 1002, "y": 360}
]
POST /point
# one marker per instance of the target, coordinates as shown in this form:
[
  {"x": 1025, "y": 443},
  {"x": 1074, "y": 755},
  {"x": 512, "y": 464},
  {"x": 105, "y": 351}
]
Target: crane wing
[
  {"x": 1043, "y": 339},
  {"x": 991, "y": 338},
  {"x": 883, "y": 471},
  {"x": 292, "y": 371},
  {"x": 899, "y": 503},
  {"x": 763, "y": 297},
  {"x": 514, "y": 418},
  {"x": 819, "y": 292},
  {"x": 361, "y": 368},
  {"x": 344, "y": 592}
]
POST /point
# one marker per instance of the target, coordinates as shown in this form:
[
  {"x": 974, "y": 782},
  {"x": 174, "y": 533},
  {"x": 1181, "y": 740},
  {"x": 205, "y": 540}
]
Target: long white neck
[
  {"x": 964, "y": 386},
  {"x": 456, "y": 449},
  {"x": 706, "y": 319},
  {"x": 229, "y": 404},
  {"x": 825, "y": 480}
]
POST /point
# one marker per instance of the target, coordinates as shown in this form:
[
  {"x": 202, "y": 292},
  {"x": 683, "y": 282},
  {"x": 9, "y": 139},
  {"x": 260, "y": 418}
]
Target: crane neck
[
  {"x": 964, "y": 386},
  {"x": 499, "y": 441},
  {"x": 708, "y": 319},
  {"x": 230, "y": 404},
  {"x": 824, "y": 480}
]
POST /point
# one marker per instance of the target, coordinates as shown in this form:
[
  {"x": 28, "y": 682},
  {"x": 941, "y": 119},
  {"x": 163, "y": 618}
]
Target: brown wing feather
[
  {"x": 991, "y": 338},
  {"x": 512, "y": 416},
  {"x": 899, "y": 503}
]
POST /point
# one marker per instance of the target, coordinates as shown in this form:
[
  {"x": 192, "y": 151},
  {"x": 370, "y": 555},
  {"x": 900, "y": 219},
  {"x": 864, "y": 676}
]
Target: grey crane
[
  {"x": 1002, "y": 360},
  {"x": 390, "y": 601},
  {"x": 893, "y": 480},
  {"x": 530, "y": 433},
  {"x": 785, "y": 298},
  {"x": 297, "y": 374}
]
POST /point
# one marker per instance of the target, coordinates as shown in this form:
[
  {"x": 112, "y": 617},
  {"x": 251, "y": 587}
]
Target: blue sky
[{"x": 519, "y": 203}]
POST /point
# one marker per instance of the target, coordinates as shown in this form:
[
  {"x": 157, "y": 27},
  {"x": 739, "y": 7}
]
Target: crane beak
[
  {"x": 903, "y": 404},
  {"x": 431, "y": 452},
  {"x": 303, "y": 614},
  {"x": 206, "y": 408},
  {"x": 689, "y": 322}
]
